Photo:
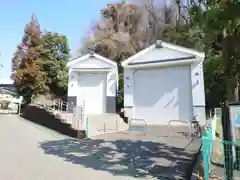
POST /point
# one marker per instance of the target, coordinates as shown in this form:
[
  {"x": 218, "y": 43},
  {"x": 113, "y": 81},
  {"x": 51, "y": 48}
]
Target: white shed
[
  {"x": 93, "y": 82},
  {"x": 164, "y": 82}
]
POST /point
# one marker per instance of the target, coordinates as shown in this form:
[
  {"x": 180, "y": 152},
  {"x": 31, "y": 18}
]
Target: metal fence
[
  {"x": 69, "y": 113},
  {"x": 215, "y": 152},
  {"x": 78, "y": 119},
  {"x": 137, "y": 126}
]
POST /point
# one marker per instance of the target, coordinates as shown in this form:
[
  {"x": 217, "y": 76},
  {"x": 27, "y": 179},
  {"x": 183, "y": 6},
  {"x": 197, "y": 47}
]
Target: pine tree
[{"x": 27, "y": 73}]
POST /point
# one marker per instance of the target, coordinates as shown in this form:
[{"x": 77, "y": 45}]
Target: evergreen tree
[
  {"x": 55, "y": 55},
  {"x": 27, "y": 71}
]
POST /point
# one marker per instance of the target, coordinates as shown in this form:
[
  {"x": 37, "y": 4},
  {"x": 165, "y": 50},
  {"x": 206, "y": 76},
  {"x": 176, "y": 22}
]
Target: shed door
[
  {"x": 92, "y": 92},
  {"x": 163, "y": 94}
]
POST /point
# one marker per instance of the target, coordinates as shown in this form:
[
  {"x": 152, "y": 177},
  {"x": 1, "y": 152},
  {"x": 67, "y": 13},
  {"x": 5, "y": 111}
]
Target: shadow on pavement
[{"x": 124, "y": 157}]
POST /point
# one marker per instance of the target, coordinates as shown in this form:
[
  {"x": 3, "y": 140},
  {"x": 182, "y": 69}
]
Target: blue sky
[{"x": 69, "y": 17}]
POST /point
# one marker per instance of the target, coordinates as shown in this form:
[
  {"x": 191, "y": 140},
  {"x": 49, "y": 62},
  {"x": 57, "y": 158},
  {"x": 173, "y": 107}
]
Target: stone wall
[{"x": 42, "y": 117}]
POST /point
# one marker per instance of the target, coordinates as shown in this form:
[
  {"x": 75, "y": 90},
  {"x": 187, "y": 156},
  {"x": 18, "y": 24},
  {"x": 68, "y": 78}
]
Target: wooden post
[{"x": 201, "y": 171}]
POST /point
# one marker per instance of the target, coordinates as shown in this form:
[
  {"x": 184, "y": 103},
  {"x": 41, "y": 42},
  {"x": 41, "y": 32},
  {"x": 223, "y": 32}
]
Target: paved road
[{"x": 29, "y": 151}]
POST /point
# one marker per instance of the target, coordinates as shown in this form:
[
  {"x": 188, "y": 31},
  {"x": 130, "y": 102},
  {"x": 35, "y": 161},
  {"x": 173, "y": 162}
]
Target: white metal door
[
  {"x": 91, "y": 92},
  {"x": 163, "y": 94}
]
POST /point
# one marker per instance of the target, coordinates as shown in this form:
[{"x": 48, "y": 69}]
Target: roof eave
[
  {"x": 165, "y": 60},
  {"x": 167, "y": 45},
  {"x": 161, "y": 64},
  {"x": 84, "y": 57},
  {"x": 77, "y": 59}
]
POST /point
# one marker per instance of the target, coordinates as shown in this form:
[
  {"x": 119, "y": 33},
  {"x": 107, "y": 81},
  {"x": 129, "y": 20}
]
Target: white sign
[
  {"x": 235, "y": 123},
  {"x": 235, "y": 120}
]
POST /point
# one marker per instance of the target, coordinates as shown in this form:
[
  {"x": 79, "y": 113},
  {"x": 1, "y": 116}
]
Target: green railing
[{"x": 215, "y": 152}]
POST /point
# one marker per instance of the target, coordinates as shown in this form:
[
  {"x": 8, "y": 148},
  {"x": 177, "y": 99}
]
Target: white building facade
[
  {"x": 93, "y": 84},
  {"x": 164, "y": 82}
]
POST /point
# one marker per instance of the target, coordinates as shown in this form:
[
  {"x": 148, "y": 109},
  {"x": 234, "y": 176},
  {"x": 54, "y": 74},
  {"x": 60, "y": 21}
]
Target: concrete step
[
  {"x": 97, "y": 123},
  {"x": 70, "y": 118},
  {"x": 66, "y": 116}
]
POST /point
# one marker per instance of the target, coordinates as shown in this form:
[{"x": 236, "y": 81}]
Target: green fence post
[
  {"x": 206, "y": 152},
  {"x": 227, "y": 139}
]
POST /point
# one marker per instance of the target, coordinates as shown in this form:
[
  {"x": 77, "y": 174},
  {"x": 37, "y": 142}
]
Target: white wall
[
  {"x": 73, "y": 83},
  {"x": 112, "y": 83},
  {"x": 201, "y": 114},
  {"x": 128, "y": 87},
  {"x": 91, "y": 65},
  {"x": 198, "y": 84},
  {"x": 128, "y": 92},
  {"x": 198, "y": 93}
]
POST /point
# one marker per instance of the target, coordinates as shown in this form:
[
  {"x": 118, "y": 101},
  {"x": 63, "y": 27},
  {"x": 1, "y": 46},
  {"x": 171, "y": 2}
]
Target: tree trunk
[
  {"x": 236, "y": 91},
  {"x": 230, "y": 96}
]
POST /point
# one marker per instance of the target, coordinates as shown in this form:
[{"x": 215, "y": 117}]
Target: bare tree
[
  {"x": 130, "y": 27},
  {"x": 116, "y": 34}
]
